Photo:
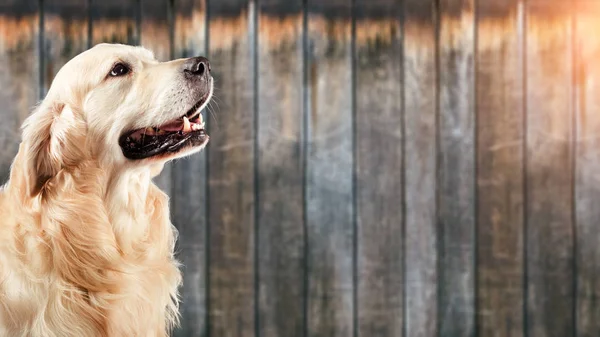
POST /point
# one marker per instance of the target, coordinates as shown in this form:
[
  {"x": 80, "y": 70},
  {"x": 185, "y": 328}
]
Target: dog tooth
[
  {"x": 196, "y": 127},
  {"x": 186, "y": 124},
  {"x": 149, "y": 131}
]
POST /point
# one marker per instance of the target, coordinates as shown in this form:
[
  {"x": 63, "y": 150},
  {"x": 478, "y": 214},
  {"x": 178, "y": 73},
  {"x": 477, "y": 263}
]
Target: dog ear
[{"x": 44, "y": 140}]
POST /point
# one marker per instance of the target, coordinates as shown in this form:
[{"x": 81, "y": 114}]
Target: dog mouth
[{"x": 169, "y": 138}]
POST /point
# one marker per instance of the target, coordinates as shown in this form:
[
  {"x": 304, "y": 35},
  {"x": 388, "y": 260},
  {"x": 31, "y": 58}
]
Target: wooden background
[{"x": 377, "y": 168}]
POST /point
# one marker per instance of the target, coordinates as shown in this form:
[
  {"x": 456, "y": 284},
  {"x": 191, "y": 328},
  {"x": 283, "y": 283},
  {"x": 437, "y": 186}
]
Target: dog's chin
[{"x": 177, "y": 138}]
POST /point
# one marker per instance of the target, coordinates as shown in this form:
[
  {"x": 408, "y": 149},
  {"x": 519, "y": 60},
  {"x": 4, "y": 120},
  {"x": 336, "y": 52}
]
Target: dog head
[{"x": 119, "y": 106}]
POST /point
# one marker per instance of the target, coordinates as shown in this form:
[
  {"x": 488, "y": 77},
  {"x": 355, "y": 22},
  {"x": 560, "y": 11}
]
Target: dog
[{"x": 86, "y": 244}]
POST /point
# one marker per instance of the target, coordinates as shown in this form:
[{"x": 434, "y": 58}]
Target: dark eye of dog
[{"x": 119, "y": 70}]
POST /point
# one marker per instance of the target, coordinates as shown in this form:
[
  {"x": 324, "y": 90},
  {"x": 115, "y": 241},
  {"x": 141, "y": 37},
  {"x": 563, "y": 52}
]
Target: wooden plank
[
  {"x": 65, "y": 35},
  {"x": 189, "y": 197},
  {"x": 500, "y": 167},
  {"x": 457, "y": 169},
  {"x": 19, "y": 74},
  {"x": 231, "y": 171},
  {"x": 329, "y": 196},
  {"x": 114, "y": 21},
  {"x": 280, "y": 169},
  {"x": 155, "y": 28},
  {"x": 189, "y": 28},
  {"x": 587, "y": 175},
  {"x": 156, "y": 35},
  {"x": 549, "y": 170},
  {"x": 420, "y": 167},
  {"x": 379, "y": 187}
]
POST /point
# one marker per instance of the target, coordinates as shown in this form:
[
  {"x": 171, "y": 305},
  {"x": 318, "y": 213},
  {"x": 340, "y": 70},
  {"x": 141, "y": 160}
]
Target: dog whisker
[
  {"x": 211, "y": 107},
  {"x": 212, "y": 114},
  {"x": 216, "y": 101}
]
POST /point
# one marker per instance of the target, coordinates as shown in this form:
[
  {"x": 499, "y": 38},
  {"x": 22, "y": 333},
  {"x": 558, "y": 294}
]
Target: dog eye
[{"x": 119, "y": 70}]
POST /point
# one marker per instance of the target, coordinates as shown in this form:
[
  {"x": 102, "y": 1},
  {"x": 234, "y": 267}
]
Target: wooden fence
[{"x": 377, "y": 167}]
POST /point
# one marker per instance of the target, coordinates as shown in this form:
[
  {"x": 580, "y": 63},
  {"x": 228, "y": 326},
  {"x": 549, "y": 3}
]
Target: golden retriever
[{"x": 86, "y": 244}]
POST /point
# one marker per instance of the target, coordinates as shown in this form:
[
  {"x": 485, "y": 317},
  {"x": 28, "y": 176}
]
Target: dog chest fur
[{"x": 96, "y": 259}]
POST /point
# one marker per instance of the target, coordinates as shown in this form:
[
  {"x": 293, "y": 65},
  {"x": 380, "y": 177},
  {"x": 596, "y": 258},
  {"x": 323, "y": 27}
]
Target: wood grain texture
[
  {"x": 231, "y": 176},
  {"x": 280, "y": 171},
  {"x": 189, "y": 194},
  {"x": 549, "y": 195},
  {"x": 587, "y": 175},
  {"x": 65, "y": 35},
  {"x": 465, "y": 220},
  {"x": 456, "y": 218},
  {"x": 420, "y": 168},
  {"x": 379, "y": 138},
  {"x": 114, "y": 21},
  {"x": 155, "y": 27},
  {"x": 19, "y": 76},
  {"x": 500, "y": 166},
  {"x": 189, "y": 28},
  {"x": 329, "y": 164},
  {"x": 155, "y": 35}
]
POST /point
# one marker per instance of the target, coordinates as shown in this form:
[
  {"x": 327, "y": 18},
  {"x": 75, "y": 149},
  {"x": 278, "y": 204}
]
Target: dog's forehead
[
  {"x": 92, "y": 64},
  {"x": 106, "y": 52},
  {"x": 107, "y": 49}
]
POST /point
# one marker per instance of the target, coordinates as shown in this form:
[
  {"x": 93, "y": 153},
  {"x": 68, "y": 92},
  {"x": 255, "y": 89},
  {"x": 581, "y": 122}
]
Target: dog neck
[
  {"x": 121, "y": 209},
  {"x": 138, "y": 212}
]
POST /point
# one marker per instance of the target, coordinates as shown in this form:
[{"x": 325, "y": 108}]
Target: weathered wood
[
  {"x": 500, "y": 167},
  {"x": 549, "y": 172},
  {"x": 189, "y": 197},
  {"x": 65, "y": 35},
  {"x": 19, "y": 75},
  {"x": 231, "y": 172},
  {"x": 587, "y": 174},
  {"x": 420, "y": 168},
  {"x": 189, "y": 28},
  {"x": 280, "y": 170},
  {"x": 156, "y": 35},
  {"x": 329, "y": 170},
  {"x": 379, "y": 188},
  {"x": 491, "y": 171},
  {"x": 114, "y": 21},
  {"x": 155, "y": 27},
  {"x": 457, "y": 169}
]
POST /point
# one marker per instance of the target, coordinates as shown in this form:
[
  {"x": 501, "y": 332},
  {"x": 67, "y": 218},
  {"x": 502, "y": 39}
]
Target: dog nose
[{"x": 197, "y": 66}]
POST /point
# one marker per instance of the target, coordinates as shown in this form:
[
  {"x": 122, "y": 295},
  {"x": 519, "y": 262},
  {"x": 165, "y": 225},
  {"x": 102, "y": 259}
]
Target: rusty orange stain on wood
[
  {"x": 75, "y": 29},
  {"x": 383, "y": 31},
  {"x": 155, "y": 36},
  {"x": 278, "y": 30},
  {"x": 457, "y": 32},
  {"x": 587, "y": 48},
  {"x": 274, "y": 32},
  {"x": 543, "y": 27},
  {"x": 227, "y": 32},
  {"x": 419, "y": 38},
  {"x": 331, "y": 29},
  {"x": 106, "y": 29},
  {"x": 190, "y": 31},
  {"x": 15, "y": 30}
]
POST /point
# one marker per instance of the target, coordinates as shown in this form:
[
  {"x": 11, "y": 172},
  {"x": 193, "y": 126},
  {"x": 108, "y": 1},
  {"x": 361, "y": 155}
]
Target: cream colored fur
[{"x": 86, "y": 244}]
